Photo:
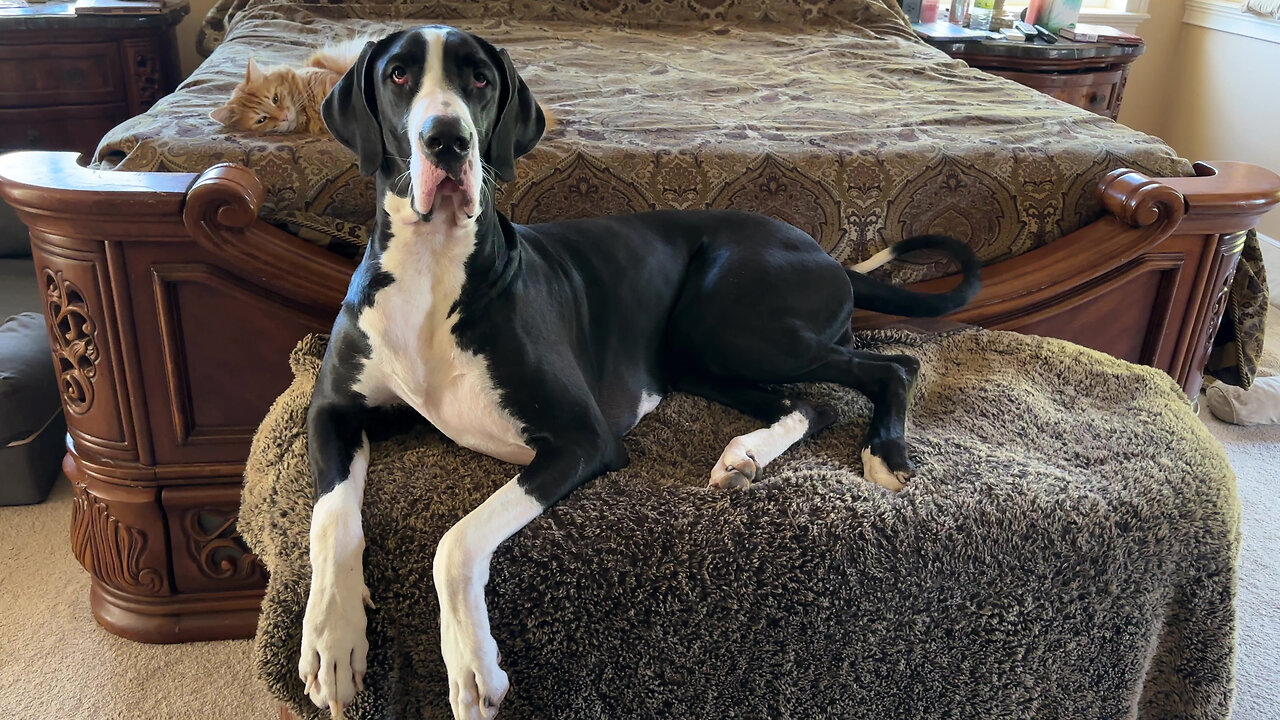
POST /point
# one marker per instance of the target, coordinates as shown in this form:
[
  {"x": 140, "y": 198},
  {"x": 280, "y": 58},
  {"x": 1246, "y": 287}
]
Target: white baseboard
[{"x": 1271, "y": 258}]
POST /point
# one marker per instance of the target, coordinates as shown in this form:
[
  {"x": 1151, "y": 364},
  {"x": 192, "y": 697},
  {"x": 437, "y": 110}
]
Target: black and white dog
[{"x": 543, "y": 345}]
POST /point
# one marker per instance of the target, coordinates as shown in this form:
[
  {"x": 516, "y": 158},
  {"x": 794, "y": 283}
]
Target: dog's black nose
[{"x": 443, "y": 137}]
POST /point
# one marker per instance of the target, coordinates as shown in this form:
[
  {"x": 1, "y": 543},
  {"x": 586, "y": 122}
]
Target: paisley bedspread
[{"x": 831, "y": 115}]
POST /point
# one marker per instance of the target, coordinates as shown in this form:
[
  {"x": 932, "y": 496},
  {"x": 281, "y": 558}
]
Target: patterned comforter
[{"x": 833, "y": 116}]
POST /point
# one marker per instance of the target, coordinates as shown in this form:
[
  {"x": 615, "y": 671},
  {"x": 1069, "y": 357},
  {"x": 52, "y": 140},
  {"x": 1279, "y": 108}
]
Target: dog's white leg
[
  {"x": 476, "y": 683},
  {"x": 746, "y": 455},
  {"x": 334, "y": 645}
]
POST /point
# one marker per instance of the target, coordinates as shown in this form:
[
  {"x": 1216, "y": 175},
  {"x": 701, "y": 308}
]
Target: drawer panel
[
  {"x": 59, "y": 128},
  {"x": 1095, "y": 92},
  {"x": 1095, "y": 99},
  {"x": 208, "y": 554},
  {"x": 60, "y": 74}
]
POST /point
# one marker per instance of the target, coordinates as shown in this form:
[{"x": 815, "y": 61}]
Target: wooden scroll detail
[
  {"x": 75, "y": 351},
  {"x": 224, "y": 198},
  {"x": 216, "y": 547},
  {"x": 221, "y": 213},
  {"x": 109, "y": 549},
  {"x": 1139, "y": 201}
]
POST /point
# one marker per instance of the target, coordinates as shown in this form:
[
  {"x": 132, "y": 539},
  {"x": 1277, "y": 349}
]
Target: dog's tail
[{"x": 881, "y": 297}]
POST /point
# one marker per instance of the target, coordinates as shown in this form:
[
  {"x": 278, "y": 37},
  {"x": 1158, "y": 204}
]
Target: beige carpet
[
  {"x": 1255, "y": 456},
  {"x": 56, "y": 663}
]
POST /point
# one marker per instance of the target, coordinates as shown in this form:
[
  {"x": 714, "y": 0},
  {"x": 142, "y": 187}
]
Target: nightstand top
[
  {"x": 1064, "y": 49},
  {"x": 62, "y": 16}
]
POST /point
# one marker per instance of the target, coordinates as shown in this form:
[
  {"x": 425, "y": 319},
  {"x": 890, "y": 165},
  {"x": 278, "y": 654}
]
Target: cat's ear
[
  {"x": 253, "y": 73},
  {"x": 350, "y": 111},
  {"x": 225, "y": 115},
  {"x": 520, "y": 121}
]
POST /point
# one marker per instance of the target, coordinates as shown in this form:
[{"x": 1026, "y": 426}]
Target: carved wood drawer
[
  {"x": 208, "y": 554},
  {"x": 57, "y": 128},
  {"x": 61, "y": 74},
  {"x": 1096, "y": 92},
  {"x": 67, "y": 79}
]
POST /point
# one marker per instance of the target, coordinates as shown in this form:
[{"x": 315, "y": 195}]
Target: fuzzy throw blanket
[{"x": 1067, "y": 550}]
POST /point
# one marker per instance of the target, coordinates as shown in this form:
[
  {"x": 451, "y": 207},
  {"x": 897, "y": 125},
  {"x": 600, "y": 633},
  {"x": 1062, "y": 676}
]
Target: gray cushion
[
  {"x": 19, "y": 289},
  {"x": 28, "y": 384},
  {"x": 14, "y": 241}
]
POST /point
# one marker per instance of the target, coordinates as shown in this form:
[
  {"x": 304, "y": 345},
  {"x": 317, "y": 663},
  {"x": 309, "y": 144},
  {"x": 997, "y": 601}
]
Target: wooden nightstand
[
  {"x": 66, "y": 79},
  {"x": 1087, "y": 75}
]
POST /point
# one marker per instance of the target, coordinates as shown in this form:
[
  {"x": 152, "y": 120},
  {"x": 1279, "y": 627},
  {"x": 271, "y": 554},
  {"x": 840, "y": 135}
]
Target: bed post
[
  {"x": 1225, "y": 200},
  {"x": 162, "y": 291},
  {"x": 118, "y": 529}
]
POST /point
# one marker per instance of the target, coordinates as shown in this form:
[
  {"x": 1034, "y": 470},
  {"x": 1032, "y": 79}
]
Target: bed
[{"x": 183, "y": 263}]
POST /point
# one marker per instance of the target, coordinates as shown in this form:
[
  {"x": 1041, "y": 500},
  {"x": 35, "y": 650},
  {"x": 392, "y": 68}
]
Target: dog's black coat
[
  {"x": 578, "y": 318},
  {"x": 546, "y": 343}
]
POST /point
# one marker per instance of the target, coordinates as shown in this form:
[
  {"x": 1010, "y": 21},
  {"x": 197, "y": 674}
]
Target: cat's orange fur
[{"x": 286, "y": 99}]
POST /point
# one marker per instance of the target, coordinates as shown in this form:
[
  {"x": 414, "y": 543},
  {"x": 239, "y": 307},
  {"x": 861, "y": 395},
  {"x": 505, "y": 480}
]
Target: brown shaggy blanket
[{"x": 1067, "y": 550}]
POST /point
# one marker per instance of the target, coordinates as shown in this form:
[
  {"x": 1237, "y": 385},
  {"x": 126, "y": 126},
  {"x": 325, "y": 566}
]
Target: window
[
  {"x": 1123, "y": 14},
  {"x": 1112, "y": 5}
]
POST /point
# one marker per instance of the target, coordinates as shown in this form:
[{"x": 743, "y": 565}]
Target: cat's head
[{"x": 263, "y": 102}]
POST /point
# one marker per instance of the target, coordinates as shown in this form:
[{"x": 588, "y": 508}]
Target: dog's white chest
[
  {"x": 415, "y": 357},
  {"x": 458, "y": 397}
]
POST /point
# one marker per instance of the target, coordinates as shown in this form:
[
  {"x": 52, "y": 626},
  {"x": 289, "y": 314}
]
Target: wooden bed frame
[{"x": 172, "y": 310}]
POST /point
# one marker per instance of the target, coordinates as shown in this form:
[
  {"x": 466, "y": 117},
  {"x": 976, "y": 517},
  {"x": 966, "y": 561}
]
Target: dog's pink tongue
[{"x": 426, "y": 188}]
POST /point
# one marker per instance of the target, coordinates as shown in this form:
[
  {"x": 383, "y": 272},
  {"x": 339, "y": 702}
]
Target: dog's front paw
[
  {"x": 334, "y": 645},
  {"x": 476, "y": 684}
]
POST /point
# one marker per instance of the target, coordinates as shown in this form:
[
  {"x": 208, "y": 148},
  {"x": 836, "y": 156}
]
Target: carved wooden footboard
[
  {"x": 1147, "y": 283},
  {"x": 172, "y": 310}
]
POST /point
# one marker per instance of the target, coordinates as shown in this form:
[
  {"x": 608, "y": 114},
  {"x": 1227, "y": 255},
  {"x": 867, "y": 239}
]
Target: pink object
[
  {"x": 1033, "y": 11},
  {"x": 929, "y": 11}
]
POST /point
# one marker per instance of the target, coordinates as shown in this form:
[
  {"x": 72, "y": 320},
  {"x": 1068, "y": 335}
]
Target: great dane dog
[{"x": 543, "y": 345}]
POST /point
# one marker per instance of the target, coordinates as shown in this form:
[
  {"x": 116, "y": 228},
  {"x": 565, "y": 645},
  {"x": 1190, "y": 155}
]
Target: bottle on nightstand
[{"x": 980, "y": 16}]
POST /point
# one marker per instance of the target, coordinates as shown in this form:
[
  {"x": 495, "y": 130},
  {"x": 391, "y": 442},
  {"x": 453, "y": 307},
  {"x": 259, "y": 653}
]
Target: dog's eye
[
  {"x": 275, "y": 99},
  {"x": 262, "y": 119},
  {"x": 399, "y": 75},
  {"x": 481, "y": 79}
]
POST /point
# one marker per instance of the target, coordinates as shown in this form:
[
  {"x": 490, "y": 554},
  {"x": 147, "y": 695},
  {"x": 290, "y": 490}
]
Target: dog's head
[{"x": 428, "y": 110}]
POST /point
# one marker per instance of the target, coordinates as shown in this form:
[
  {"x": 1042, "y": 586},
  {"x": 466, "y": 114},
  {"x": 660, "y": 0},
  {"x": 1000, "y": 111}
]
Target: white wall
[
  {"x": 1147, "y": 96},
  {"x": 187, "y": 32},
  {"x": 1211, "y": 95}
]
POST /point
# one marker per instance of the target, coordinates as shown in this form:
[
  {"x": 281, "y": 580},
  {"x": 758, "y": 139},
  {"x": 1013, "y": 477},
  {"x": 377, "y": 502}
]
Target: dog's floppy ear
[
  {"x": 351, "y": 114},
  {"x": 519, "y": 123}
]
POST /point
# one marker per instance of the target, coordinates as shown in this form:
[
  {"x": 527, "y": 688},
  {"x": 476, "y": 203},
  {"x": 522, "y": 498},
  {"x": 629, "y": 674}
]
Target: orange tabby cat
[{"x": 286, "y": 99}]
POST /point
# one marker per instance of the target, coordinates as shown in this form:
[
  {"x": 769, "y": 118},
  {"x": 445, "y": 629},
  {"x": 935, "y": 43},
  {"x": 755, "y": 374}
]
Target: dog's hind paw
[
  {"x": 736, "y": 468},
  {"x": 877, "y": 471}
]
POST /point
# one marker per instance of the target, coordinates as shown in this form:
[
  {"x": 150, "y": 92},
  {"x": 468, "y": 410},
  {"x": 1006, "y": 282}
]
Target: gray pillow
[{"x": 28, "y": 385}]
